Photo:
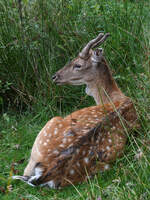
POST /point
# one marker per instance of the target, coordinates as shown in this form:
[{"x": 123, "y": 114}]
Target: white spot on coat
[
  {"x": 84, "y": 131},
  {"x": 106, "y": 167},
  {"x": 108, "y": 148},
  {"x": 113, "y": 128},
  {"x": 62, "y": 145},
  {"x": 60, "y": 125},
  {"x": 69, "y": 139},
  {"x": 45, "y": 133},
  {"x": 40, "y": 142},
  {"x": 77, "y": 151},
  {"x": 64, "y": 140},
  {"x": 56, "y": 151},
  {"x": 86, "y": 160},
  {"x": 71, "y": 171},
  {"x": 109, "y": 140},
  {"x": 55, "y": 131}
]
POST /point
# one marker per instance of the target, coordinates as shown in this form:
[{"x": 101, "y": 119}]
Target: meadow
[{"x": 39, "y": 37}]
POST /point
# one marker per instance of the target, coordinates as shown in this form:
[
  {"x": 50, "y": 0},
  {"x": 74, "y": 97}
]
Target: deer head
[
  {"x": 89, "y": 68},
  {"x": 77, "y": 71}
]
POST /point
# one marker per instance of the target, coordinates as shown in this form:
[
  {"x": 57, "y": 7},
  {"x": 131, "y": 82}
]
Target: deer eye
[{"x": 76, "y": 66}]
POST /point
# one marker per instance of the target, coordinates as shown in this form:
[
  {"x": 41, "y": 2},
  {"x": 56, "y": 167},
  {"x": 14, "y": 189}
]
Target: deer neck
[{"x": 104, "y": 89}]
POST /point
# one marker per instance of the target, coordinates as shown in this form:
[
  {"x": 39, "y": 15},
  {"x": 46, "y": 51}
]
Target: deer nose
[{"x": 55, "y": 77}]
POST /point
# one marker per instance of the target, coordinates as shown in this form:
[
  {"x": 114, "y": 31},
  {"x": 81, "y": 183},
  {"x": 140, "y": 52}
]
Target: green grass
[{"x": 35, "y": 42}]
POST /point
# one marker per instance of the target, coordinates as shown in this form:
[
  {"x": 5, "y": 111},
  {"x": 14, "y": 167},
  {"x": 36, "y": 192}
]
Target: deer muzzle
[{"x": 55, "y": 77}]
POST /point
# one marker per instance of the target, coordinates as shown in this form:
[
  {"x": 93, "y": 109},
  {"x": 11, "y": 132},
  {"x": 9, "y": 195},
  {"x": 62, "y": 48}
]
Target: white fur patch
[
  {"x": 38, "y": 172},
  {"x": 108, "y": 148},
  {"x": 86, "y": 160},
  {"x": 106, "y": 167},
  {"x": 88, "y": 92},
  {"x": 51, "y": 184},
  {"x": 72, "y": 172}
]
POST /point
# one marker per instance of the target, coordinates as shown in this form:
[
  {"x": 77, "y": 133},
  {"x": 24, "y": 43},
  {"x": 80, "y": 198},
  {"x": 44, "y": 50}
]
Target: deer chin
[
  {"x": 72, "y": 82},
  {"x": 75, "y": 83}
]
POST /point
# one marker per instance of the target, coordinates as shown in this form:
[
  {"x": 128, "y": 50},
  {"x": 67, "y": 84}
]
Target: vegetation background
[{"x": 37, "y": 37}]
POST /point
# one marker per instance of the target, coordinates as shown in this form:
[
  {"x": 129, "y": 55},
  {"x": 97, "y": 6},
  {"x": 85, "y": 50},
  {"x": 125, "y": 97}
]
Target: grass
[{"x": 38, "y": 38}]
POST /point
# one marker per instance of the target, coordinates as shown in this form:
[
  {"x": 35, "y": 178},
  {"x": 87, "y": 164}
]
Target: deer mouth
[
  {"x": 71, "y": 82},
  {"x": 59, "y": 82}
]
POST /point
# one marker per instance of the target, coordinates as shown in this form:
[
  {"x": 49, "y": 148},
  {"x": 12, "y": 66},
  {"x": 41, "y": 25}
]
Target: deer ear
[{"x": 97, "y": 55}]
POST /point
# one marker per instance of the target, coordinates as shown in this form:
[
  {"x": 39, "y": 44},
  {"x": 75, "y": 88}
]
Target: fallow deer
[{"x": 68, "y": 150}]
